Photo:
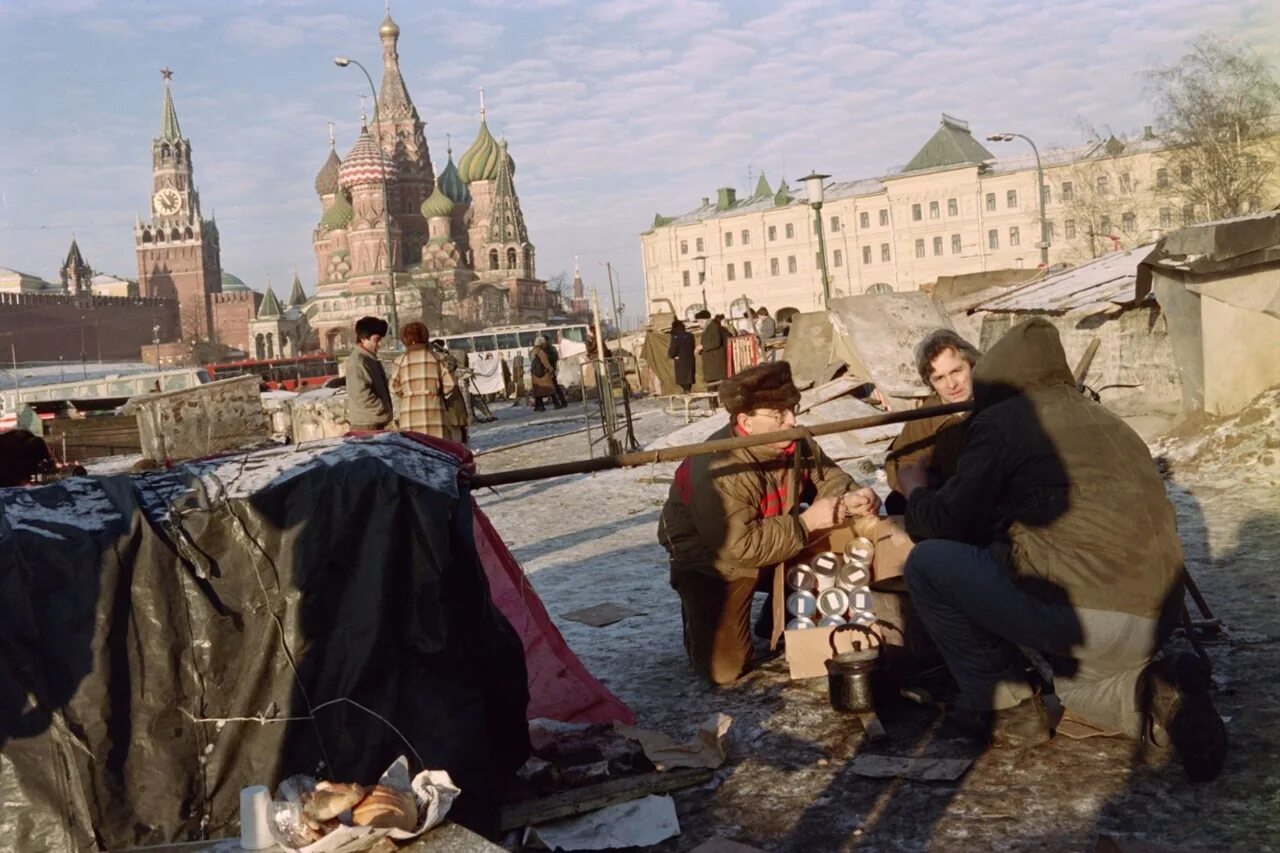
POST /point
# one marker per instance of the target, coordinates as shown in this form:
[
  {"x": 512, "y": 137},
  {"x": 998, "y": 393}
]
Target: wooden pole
[{"x": 672, "y": 454}]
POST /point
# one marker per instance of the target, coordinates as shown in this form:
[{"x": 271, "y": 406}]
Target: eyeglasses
[{"x": 779, "y": 415}]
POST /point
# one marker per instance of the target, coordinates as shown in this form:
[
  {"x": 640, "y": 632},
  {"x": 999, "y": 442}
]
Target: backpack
[{"x": 537, "y": 368}]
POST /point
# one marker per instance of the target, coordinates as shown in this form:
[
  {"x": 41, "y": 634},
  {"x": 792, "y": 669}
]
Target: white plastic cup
[{"x": 255, "y": 816}]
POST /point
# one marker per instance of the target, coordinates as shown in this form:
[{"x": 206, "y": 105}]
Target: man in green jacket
[
  {"x": 368, "y": 392},
  {"x": 1055, "y": 534},
  {"x": 732, "y": 518}
]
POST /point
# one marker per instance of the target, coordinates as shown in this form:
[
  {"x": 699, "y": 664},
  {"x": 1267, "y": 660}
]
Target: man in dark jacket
[
  {"x": 680, "y": 351},
  {"x": 714, "y": 350},
  {"x": 368, "y": 393},
  {"x": 1055, "y": 534},
  {"x": 732, "y": 518}
]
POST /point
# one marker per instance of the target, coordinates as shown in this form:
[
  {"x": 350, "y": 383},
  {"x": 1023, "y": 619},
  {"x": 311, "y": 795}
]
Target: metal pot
[{"x": 849, "y": 673}]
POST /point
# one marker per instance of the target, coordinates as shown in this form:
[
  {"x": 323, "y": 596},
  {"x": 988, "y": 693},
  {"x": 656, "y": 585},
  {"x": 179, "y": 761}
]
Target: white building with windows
[{"x": 954, "y": 208}]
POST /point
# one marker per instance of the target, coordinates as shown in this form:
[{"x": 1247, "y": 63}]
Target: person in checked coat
[{"x": 422, "y": 383}]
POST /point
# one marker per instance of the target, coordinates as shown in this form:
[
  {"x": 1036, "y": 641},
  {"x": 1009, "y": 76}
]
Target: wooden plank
[{"x": 589, "y": 799}]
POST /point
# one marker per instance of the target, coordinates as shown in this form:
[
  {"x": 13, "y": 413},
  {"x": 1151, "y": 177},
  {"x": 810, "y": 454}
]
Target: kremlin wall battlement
[{"x": 49, "y": 327}]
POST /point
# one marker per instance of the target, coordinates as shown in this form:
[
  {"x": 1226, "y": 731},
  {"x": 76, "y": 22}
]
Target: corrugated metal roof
[{"x": 1109, "y": 280}]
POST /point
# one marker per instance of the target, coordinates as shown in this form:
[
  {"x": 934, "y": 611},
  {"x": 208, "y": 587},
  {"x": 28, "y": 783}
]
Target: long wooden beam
[{"x": 672, "y": 454}]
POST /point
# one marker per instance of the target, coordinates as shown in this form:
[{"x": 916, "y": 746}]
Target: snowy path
[{"x": 591, "y": 539}]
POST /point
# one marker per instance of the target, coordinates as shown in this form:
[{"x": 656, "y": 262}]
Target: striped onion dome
[
  {"x": 327, "y": 179},
  {"x": 480, "y": 162},
  {"x": 365, "y": 164},
  {"x": 437, "y": 204}
]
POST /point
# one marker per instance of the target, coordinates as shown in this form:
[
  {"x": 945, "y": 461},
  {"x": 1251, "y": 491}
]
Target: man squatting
[{"x": 1049, "y": 530}]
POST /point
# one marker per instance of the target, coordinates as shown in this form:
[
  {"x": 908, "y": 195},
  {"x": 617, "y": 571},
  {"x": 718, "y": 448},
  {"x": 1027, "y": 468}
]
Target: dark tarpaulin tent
[{"x": 172, "y": 637}]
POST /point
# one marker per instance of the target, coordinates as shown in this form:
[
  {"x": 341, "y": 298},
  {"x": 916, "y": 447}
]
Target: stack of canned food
[{"x": 831, "y": 589}]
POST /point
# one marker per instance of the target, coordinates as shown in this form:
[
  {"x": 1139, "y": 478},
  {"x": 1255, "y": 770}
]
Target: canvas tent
[{"x": 175, "y": 636}]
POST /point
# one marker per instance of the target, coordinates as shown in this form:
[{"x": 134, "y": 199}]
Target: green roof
[
  {"x": 783, "y": 196},
  {"x": 339, "y": 214},
  {"x": 232, "y": 283},
  {"x": 437, "y": 204},
  {"x": 297, "y": 297},
  {"x": 169, "y": 118},
  {"x": 270, "y": 306},
  {"x": 763, "y": 189},
  {"x": 952, "y": 145},
  {"x": 480, "y": 162}
]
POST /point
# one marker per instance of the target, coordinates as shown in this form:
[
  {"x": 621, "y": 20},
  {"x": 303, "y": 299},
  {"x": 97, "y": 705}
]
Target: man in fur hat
[{"x": 733, "y": 518}]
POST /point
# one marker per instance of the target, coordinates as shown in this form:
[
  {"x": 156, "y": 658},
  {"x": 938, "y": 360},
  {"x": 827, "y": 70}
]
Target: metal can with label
[
  {"x": 860, "y": 550},
  {"x": 826, "y": 564},
  {"x": 852, "y": 575},
  {"x": 863, "y": 617},
  {"x": 802, "y": 604},
  {"x": 799, "y": 624},
  {"x": 860, "y": 599},
  {"x": 833, "y": 602},
  {"x": 831, "y": 621},
  {"x": 801, "y": 577}
]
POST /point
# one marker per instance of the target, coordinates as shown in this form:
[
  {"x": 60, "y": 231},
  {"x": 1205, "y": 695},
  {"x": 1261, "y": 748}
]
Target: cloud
[{"x": 613, "y": 110}]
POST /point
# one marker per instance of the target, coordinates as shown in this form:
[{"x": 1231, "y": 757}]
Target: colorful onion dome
[
  {"x": 452, "y": 185},
  {"x": 365, "y": 164},
  {"x": 339, "y": 214},
  {"x": 480, "y": 162},
  {"x": 437, "y": 204},
  {"x": 327, "y": 179}
]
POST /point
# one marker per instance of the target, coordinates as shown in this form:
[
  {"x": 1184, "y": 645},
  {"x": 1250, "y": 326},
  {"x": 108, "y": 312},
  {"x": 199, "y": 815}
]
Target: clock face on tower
[{"x": 167, "y": 201}]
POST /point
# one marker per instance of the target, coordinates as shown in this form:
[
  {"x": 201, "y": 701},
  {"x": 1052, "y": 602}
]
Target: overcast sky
[{"x": 614, "y": 110}]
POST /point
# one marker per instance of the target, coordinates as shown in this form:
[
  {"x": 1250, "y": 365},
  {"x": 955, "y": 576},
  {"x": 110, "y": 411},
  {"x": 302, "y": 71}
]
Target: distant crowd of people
[{"x": 713, "y": 346}]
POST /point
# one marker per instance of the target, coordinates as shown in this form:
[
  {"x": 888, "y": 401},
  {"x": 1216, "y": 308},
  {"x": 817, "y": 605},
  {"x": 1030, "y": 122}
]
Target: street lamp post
[
  {"x": 701, "y": 261},
  {"x": 84, "y": 369},
  {"x": 155, "y": 339},
  {"x": 813, "y": 187},
  {"x": 1044, "y": 223},
  {"x": 394, "y": 319}
]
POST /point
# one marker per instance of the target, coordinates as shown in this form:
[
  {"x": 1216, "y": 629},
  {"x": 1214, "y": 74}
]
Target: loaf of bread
[
  {"x": 387, "y": 808},
  {"x": 330, "y": 799}
]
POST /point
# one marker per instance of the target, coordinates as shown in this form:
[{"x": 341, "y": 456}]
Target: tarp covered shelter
[{"x": 175, "y": 636}]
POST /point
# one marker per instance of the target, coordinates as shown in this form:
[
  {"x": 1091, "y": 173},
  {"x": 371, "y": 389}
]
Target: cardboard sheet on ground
[
  {"x": 600, "y": 615},
  {"x": 638, "y": 823},
  {"x": 881, "y": 332},
  {"x": 708, "y": 749},
  {"x": 920, "y": 769}
]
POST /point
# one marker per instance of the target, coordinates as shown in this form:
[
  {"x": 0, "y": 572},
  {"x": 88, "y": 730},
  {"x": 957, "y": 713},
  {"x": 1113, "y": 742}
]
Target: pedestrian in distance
[
  {"x": 368, "y": 392},
  {"x": 681, "y": 353},
  {"x": 542, "y": 375},
  {"x": 714, "y": 351},
  {"x": 422, "y": 383}
]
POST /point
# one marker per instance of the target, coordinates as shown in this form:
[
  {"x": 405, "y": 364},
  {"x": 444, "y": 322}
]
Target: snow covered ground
[{"x": 788, "y": 784}]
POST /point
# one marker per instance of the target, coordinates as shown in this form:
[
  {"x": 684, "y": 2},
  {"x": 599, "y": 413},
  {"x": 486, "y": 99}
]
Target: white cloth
[{"x": 486, "y": 374}]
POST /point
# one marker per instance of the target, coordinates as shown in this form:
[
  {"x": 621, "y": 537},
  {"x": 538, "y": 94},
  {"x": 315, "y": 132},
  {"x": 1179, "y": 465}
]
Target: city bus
[
  {"x": 280, "y": 374},
  {"x": 570, "y": 339}
]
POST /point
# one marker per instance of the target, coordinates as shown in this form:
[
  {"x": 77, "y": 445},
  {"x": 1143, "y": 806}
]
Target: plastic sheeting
[{"x": 172, "y": 637}]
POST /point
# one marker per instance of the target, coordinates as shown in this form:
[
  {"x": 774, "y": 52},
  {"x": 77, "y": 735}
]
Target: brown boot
[{"x": 1023, "y": 726}]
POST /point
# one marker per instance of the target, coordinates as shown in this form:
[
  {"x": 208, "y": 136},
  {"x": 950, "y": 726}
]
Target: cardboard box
[{"x": 808, "y": 650}]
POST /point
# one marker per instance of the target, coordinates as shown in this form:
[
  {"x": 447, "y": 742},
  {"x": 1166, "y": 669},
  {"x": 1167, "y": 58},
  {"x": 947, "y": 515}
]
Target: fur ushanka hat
[{"x": 765, "y": 386}]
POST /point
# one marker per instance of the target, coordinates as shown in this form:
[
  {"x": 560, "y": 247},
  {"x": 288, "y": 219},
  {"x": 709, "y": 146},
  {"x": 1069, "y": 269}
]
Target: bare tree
[{"x": 1218, "y": 107}]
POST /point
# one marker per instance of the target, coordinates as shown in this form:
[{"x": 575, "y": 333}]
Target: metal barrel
[
  {"x": 803, "y": 604},
  {"x": 833, "y": 602},
  {"x": 801, "y": 577},
  {"x": 799, "y": 624}
]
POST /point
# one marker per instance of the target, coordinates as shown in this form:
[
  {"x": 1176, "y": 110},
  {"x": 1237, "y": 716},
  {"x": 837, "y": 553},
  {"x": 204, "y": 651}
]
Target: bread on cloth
[
  {"x": 387, "y": 808},
  {"x": 330, "y": 799},
  {"x": 764, "y": 386}
]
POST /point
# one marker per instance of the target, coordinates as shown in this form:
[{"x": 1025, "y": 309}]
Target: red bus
[{"x": 280, "y": 374}]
